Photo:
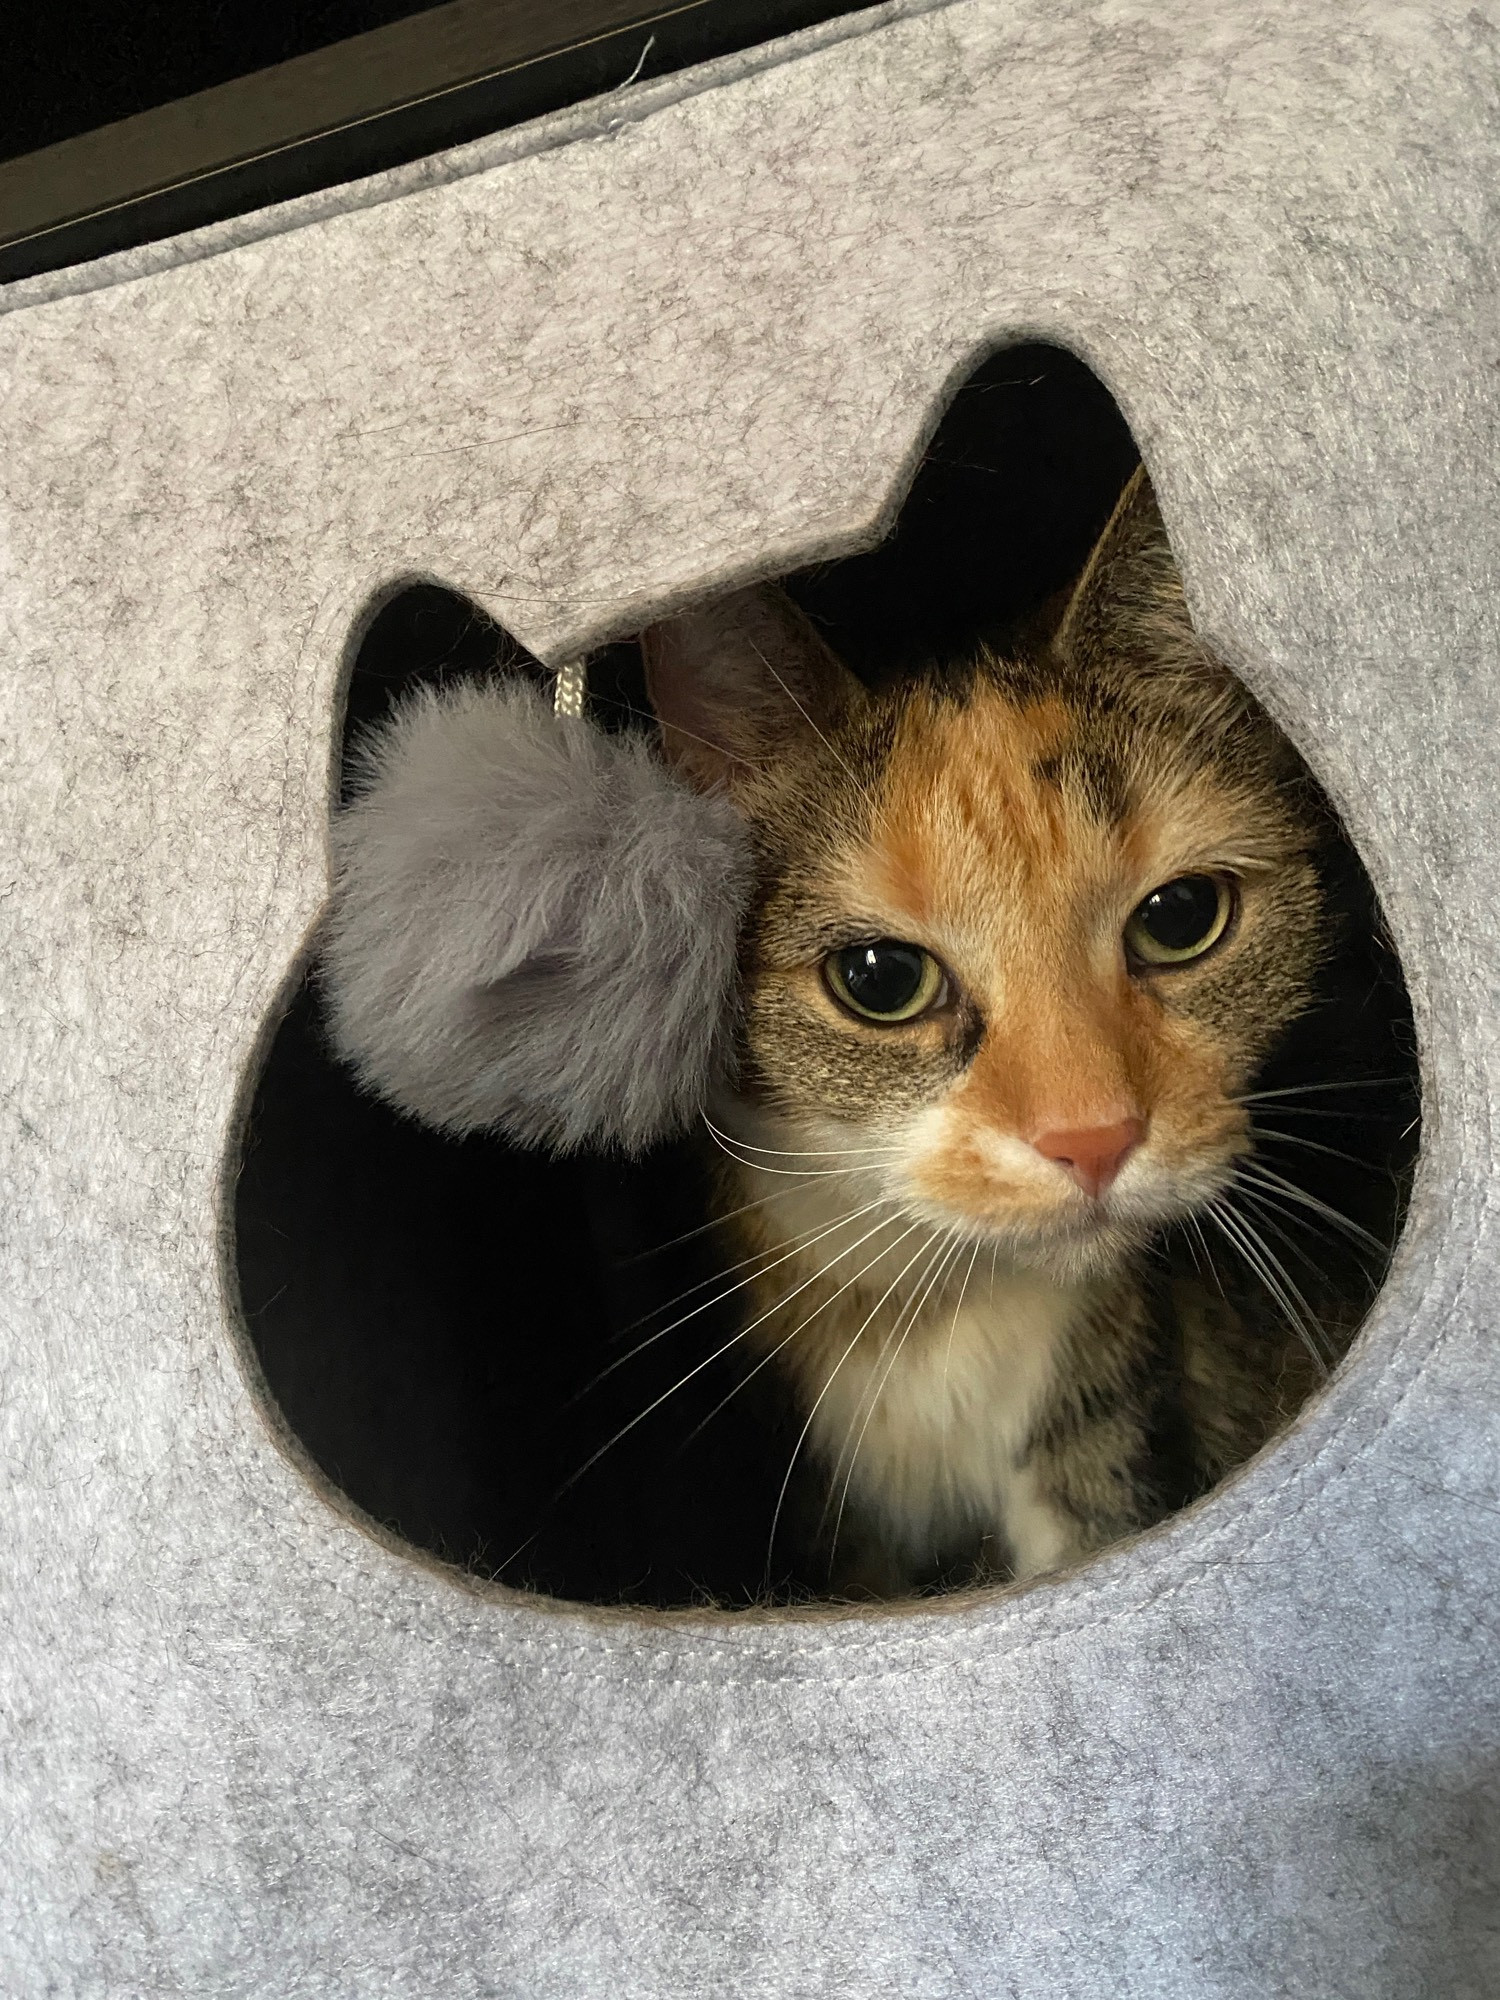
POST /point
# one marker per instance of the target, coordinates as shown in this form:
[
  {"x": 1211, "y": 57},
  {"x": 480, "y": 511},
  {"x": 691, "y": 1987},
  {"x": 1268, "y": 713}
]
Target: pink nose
[{"x": 1093, "y": 1154}]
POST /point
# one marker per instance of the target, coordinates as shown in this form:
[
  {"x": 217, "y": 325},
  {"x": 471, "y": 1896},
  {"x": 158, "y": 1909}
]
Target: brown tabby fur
[{"x": 995, "y": 1373}]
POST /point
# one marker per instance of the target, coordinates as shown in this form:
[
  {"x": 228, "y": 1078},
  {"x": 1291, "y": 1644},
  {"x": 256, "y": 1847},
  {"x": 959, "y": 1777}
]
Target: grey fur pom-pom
[{"x": 533, "y": 926}]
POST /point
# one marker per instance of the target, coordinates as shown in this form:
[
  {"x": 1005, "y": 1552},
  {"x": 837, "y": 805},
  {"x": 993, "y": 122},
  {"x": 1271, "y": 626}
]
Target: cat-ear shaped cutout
[{"x": 735, "y": 681}]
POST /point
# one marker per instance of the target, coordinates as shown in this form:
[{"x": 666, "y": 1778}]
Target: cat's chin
[
  {"x": 1073, "y": 1250},
  {"x": 1081, "y": 1255},
  {"x": 1079, "y": 1246}
]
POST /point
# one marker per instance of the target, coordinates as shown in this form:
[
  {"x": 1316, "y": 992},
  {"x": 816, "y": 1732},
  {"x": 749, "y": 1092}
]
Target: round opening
[{"x": 500, "y": 1355}]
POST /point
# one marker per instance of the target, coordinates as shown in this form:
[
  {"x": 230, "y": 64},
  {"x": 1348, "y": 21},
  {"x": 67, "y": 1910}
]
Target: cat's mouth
[
  {"x": 1038, "y": 1217},
  {"x": 1068, "y": 1246}
]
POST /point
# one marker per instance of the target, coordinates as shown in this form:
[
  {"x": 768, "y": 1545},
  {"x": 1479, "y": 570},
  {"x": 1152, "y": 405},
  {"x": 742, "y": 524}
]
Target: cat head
[{"x": 1023, "y": 929}]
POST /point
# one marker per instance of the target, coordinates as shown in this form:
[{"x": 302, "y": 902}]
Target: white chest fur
[
  {"x": 922, "y": 1373},
  {"x": 929, "y": 1429}
]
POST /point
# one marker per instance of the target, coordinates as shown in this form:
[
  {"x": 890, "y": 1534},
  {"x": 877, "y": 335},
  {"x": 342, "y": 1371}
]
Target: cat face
[{"x": 1023, "y": 932}]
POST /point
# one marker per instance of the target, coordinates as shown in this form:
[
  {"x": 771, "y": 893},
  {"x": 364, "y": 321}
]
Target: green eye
[
  {"x": 1180, "y": 921},
  {"x": 884, "y": 981}
]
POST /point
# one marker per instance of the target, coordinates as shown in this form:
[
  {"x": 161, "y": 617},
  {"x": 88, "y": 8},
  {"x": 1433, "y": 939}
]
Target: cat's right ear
[{"x": 737, "y": 681}]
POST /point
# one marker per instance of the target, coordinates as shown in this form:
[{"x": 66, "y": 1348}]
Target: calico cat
[{"x": 1024, "y": 935}]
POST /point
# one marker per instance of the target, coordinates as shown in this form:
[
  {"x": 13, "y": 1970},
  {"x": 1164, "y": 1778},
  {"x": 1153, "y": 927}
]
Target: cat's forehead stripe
[
  {"x": 1094, "y": 774},
  {"x": 996, "y": 782}
]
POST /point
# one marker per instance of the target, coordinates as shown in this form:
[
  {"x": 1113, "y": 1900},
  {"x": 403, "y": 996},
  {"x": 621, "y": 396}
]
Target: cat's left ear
[
  {"x": 1129, "y": 603},
  {"x": 739, "y": 680}
]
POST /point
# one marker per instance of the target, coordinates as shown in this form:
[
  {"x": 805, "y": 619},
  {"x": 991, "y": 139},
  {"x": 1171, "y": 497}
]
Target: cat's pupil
[
  {"x": 882, "y": 977},
  {"x": 1181, "y": 914}
]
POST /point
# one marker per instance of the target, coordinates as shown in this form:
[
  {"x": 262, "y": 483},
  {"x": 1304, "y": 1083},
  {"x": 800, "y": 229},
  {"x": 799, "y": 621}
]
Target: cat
[{"x": 1025, "y": 932}]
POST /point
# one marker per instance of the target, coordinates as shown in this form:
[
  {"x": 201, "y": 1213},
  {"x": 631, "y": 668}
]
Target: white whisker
[
  {"x": 1314, "y": 1111},
  {"x": 1265, "y": 1214},
  {"x": 1194, "y": 1223},
  {"x": 806, "y": 717},
  {"x": 827, "y": 1385},
  {"x": 949, "y": 1252},
  {"x": 801, "y": 1152},
  {"x": 803, "y": 1237},
  {"x": 751, "y": 1277},
  {"x": 801, "y": 1327},
  {"x": 953, "y": 1327},
  {"x": 1264, "y": 1177},
  {"x": 1310, "y": 1089},
  {"x": 790, "y": 1173},
  {"x": 1273, "y": 1275},
  {"x": 938, "y": 1245},
  {"x": 703, "y": 1228},
  {"x": 1275, "y": 1138},
  {"x": 708, "y": 1360},
  {"x": 1192, "y": 1248}
]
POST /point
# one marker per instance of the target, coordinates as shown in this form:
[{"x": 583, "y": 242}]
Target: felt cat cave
[
  {"x": 533, "y": 926},
  {"x": 586, "y": 373}
]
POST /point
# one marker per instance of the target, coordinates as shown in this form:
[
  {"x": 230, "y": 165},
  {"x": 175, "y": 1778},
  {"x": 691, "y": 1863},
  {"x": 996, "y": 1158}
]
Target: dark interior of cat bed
[{"x": 454, "y": 1328}]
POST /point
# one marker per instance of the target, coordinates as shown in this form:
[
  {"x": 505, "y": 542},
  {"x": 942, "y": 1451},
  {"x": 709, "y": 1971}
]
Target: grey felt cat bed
[{"x": 583, "y": 372}]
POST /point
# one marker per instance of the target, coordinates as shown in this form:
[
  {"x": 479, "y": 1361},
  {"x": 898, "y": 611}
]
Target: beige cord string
[{"x": 570, "y": 688}]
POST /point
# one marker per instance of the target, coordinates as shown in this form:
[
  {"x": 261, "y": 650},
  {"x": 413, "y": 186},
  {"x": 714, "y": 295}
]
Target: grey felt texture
[
  {"x": 252, "y": 1749},
  {"x": 533, "y": 924}
]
